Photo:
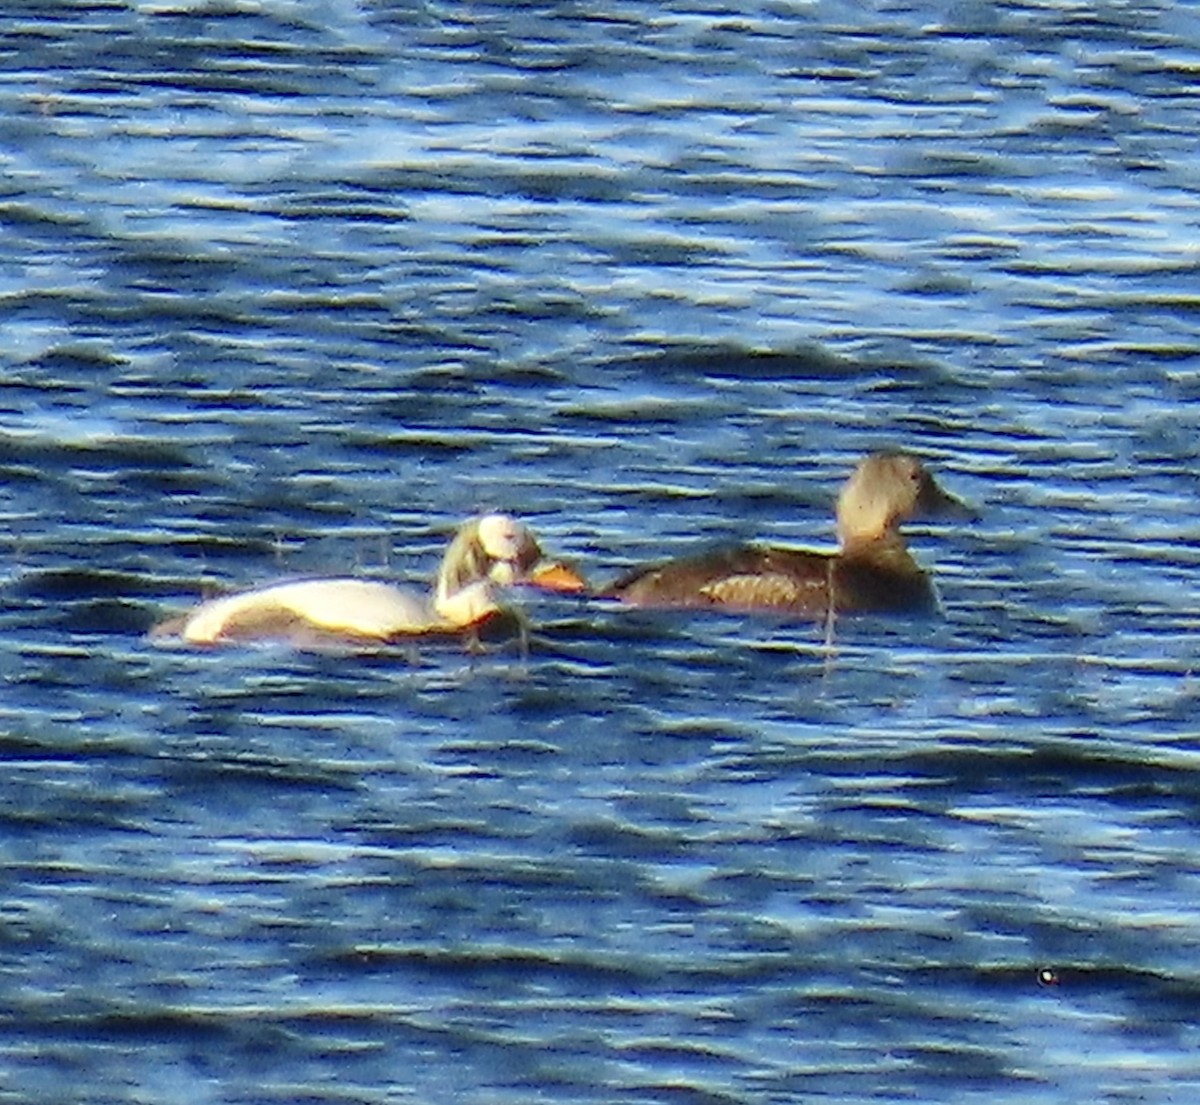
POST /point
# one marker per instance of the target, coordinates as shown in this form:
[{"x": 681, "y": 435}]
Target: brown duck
[{"x": 871, "y": 571}]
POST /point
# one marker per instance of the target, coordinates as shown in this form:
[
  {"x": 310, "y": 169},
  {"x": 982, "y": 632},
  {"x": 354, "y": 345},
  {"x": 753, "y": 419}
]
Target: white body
[
  {"x": 357, "y": 608},
  {"x": 486, "y": 553}
]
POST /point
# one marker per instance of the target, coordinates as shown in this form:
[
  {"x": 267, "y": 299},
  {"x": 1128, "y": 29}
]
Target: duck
[
  {"x": 487, "y": 553},
  {"x": 872, "y": 569}
]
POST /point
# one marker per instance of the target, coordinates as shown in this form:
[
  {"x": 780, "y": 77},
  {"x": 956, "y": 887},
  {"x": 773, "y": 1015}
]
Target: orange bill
[{"x": 553, "y": 576}]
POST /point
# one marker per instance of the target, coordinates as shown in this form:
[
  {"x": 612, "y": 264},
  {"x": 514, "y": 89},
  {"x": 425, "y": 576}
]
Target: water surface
[{"x": 291, "y": 289}]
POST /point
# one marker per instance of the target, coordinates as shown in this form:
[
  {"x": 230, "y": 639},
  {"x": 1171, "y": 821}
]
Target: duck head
[
  {"x": 885, "y": 490},
  {"x": 493, "y": 551}
]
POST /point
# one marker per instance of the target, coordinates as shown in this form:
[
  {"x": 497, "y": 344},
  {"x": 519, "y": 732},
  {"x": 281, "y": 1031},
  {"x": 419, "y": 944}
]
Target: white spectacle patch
[{"x": 502, "y": 537}]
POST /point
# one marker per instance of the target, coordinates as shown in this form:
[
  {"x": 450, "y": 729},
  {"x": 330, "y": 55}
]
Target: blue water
[{"x": 291, "y": 289}]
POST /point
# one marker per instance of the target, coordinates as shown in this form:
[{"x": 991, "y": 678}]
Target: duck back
[{"x": 801, "y": 582}]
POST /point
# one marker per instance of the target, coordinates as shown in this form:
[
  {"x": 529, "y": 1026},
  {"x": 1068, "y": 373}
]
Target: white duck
[{"x": 489, "y": 552}]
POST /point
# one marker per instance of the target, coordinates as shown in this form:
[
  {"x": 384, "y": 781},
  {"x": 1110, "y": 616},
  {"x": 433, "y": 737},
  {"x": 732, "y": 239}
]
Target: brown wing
[
  {"x": 263, "y": 622},
  {"x": 748, "y": 577},
  {"x": 767, "y": 590}
]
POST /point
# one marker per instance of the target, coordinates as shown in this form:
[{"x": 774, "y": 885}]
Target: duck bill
[{"x": 550, "y": 575}]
